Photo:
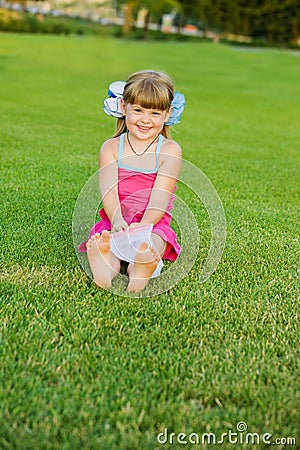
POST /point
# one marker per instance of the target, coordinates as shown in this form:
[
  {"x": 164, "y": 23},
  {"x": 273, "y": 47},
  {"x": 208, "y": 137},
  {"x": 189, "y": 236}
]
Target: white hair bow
[{"x": 112, "y": 104}]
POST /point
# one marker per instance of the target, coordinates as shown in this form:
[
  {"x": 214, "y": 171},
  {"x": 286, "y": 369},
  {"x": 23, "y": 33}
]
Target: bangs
[{"x": 149, "y": 95}]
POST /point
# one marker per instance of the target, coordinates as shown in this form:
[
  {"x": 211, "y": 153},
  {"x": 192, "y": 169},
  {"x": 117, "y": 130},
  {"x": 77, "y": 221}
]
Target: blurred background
[{"x": 246, "y": 22}]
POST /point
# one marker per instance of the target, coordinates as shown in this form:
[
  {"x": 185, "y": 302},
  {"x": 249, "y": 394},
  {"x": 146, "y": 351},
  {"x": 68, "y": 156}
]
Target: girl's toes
[
  {"x": 143, "y": 247},
  {"x": 155, "y": 256},
  {"x": 90, "y": 242},
  {"x": 106, "y": 236}
]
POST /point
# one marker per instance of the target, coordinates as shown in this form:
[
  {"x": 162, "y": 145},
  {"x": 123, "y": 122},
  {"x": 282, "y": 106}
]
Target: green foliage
[
  {"x": 276, "y": 21},
  {"x": 25, "y": 22},
  {"x": 268, "y": 22},
  {"x": 82, "y": 368}
]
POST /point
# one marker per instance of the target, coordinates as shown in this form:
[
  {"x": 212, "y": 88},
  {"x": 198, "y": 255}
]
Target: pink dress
[{"x": 134, "y": 188}]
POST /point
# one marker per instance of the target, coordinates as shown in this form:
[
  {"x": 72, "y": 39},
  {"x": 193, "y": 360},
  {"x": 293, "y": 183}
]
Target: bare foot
[
  {"x": 145, "y": 263},
  {"x": 103, "y": 267}
]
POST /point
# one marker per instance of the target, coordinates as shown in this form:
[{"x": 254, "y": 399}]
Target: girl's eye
[
  {"x": 137, "y": 110},
  {"x": 156, "y": 113}
]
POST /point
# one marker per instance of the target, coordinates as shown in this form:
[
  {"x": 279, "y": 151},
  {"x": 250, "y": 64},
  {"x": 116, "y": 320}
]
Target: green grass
[{"x": 82, "y": 368}]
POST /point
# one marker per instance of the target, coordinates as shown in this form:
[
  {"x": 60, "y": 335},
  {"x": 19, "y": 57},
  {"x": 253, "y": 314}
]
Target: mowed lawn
[{"x": 83, "y": 368}]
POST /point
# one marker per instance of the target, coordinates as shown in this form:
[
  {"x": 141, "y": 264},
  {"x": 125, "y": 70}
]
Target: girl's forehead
[
  {"x": 149, "y": 97},
  {"x": 137, "y": 105}
]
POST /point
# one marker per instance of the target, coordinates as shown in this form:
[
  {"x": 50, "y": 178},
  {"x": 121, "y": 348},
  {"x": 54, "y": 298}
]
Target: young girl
[{"x": 139, "y": 168}]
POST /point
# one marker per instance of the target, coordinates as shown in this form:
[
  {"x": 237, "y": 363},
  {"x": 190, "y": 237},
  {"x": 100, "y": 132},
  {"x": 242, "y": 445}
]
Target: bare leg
[
  {"x": 145, "y": 263},
  {"x": 159, "y": 243},
  {"x": 104, "y": 265}
]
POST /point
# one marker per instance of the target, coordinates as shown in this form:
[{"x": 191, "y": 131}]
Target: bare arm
[
  {"x": 108, "y": 182},
  {"x": 164, "y": 184}
]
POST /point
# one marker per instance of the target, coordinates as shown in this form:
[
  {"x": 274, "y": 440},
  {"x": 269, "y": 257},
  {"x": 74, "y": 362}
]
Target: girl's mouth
[{"x": 141, "y": 128}]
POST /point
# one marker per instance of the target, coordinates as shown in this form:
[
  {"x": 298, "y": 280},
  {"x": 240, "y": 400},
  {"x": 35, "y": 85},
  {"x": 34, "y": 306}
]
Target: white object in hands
[{"x": 125, "y": 244}]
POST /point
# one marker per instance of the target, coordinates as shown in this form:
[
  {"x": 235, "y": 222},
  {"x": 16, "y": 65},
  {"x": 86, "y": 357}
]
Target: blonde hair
[{"x": 151, "y": 90}]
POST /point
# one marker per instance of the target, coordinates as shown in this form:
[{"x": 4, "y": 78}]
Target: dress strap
[
  {"x": 121, "y": 149},
  {"x": 158, "y": 147}
]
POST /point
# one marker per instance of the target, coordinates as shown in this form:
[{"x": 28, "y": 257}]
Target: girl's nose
[{"x": 145, "y": 116}]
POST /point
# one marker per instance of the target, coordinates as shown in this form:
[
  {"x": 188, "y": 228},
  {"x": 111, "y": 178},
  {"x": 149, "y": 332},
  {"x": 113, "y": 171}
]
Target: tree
[
  {"x": 128, "y": 14},
  {"x": 188, "y": 11},
  {"x": 273, "y": 21},
  {"x": 155, "y": 10}
]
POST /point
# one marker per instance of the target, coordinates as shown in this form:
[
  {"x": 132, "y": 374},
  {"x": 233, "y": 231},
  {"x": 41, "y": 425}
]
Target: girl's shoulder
[
  {"x": 170, "y": 147},
  {"x": 109, "y": 149}
]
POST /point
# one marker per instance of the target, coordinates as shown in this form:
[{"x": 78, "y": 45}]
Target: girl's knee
[{"x": 159, "y": 243}]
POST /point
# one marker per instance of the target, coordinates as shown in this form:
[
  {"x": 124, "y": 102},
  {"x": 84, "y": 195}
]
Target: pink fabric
[{"x": 134, "y": 190}]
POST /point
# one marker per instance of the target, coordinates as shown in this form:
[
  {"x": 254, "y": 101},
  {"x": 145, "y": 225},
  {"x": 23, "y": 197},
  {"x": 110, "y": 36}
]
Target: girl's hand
[
  {"x": 138, "y": 224},
  {"x": 134, "y": 224},
  {"x": 119, "y": 225}
]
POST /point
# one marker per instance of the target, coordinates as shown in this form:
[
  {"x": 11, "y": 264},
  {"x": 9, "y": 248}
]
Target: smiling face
[
  {"x": 144, "y": 123},
  {"x": 146, "y": 103}
]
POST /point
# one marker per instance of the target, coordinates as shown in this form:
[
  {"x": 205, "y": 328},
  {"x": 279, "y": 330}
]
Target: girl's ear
[
  {"x": 168, "y": 114},
  {"x": 123, "y": 106}
]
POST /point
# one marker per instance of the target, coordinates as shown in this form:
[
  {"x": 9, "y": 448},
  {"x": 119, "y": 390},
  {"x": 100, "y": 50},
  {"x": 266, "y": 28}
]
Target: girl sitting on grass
[{"x": 139, "y": 168}]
